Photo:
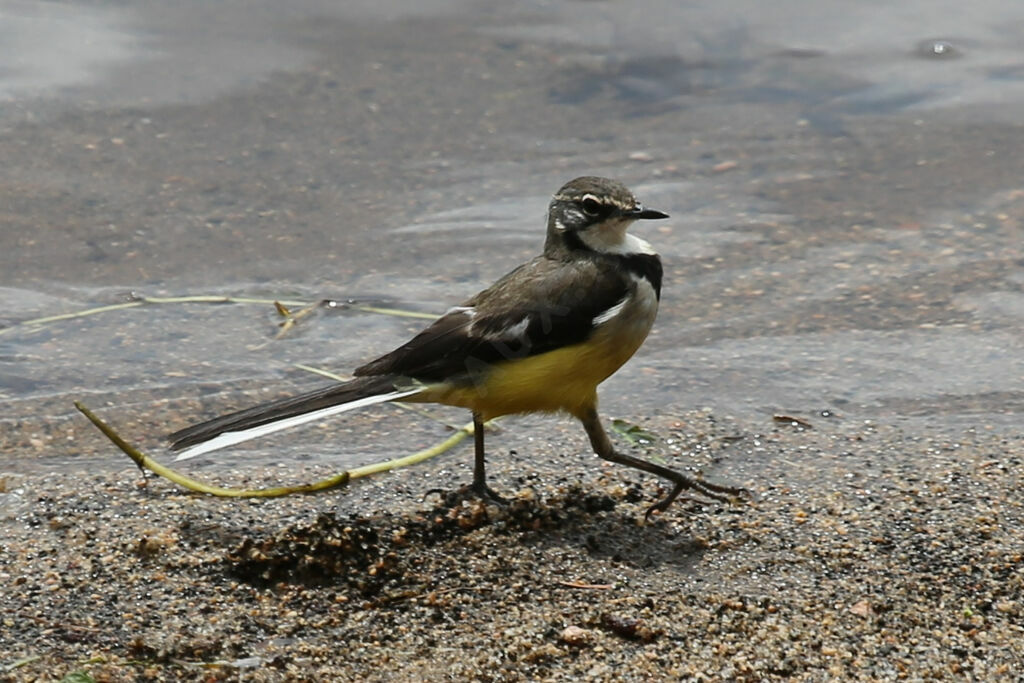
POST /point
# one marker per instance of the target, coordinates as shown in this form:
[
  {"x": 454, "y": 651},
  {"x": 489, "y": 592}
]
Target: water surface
[{"x": 844, "y": 185}]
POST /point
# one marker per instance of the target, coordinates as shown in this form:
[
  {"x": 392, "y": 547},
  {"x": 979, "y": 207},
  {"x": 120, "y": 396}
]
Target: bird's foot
[
  {"x": 705, "y": 488},
  {"x": 477, "y": 490}
]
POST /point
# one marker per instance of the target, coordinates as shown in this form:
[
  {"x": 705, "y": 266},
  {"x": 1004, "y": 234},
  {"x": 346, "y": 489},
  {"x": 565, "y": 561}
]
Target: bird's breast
[
  {"x": 631, "y": 324},
  {"x": 565, "y": 378}
]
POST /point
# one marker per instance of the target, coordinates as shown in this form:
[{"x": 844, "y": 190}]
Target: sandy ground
[{"x": 900, "y": 571}]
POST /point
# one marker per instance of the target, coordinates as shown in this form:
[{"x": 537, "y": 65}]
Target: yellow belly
[{"x": 564, "y": 379}]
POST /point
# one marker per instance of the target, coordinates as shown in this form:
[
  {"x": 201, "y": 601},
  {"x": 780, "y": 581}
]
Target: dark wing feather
[{"x": 542, "y": 305}]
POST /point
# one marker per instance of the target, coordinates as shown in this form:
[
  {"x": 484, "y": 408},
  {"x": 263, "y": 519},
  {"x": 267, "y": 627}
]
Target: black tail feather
[{"x": 331, "y": 395}]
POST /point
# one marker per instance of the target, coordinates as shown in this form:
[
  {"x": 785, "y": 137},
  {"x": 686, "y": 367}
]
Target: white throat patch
[{"x": 611, "y": 237}]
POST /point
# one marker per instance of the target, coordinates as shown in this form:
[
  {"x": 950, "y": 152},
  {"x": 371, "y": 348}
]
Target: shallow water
[{"x": 844, "y": 186}]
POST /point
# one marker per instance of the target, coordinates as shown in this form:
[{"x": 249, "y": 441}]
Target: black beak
[{"x": 641, "y": 213}]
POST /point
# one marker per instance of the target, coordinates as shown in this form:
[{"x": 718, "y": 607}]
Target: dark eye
[{"x": 590, "y": 205}]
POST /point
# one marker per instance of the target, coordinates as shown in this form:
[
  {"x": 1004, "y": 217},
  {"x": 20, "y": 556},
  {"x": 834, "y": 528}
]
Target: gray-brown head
[{"x": 593, "y": 213}]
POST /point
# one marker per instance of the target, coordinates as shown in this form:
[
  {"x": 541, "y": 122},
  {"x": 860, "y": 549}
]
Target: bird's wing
[{"x": 541, "y": 306}]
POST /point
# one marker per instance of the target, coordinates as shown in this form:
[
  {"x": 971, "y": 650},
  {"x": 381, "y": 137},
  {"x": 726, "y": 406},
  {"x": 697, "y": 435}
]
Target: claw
[
  {"x": 476, "y": 490},
  {"x": 707, "y": 489}
]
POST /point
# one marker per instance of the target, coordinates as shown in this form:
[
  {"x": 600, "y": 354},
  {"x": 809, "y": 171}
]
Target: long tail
[{"x": 267, "y": 418}]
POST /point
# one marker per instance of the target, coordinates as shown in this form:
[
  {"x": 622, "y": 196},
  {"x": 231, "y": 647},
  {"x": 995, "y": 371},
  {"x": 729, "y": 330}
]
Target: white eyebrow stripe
[
  {"x": 607, "y": 201},
  {"x": 469, "y": 311},
  {"x": 610, "y": 313}
]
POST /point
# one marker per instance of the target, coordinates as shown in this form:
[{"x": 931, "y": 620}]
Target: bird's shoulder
[
  {"x": 541, "y": 305},
  {"x": 544, "y": 283}
]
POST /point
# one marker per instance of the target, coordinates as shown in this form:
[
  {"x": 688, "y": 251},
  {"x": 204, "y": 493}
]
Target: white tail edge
[{"x": 231, "y": 438}]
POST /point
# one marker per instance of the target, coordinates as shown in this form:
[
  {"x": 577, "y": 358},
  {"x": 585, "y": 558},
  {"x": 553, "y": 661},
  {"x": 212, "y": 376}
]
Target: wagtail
[{"x": 540, "y": 339}]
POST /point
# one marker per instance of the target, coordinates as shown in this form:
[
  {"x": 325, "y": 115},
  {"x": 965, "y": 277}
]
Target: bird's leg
[
  {"x": 479, "y": 487},
  {"x": 603, "y": 447}
]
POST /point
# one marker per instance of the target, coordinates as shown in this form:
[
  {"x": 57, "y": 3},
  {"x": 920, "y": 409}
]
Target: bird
[{"x": 540, "y": 339}]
